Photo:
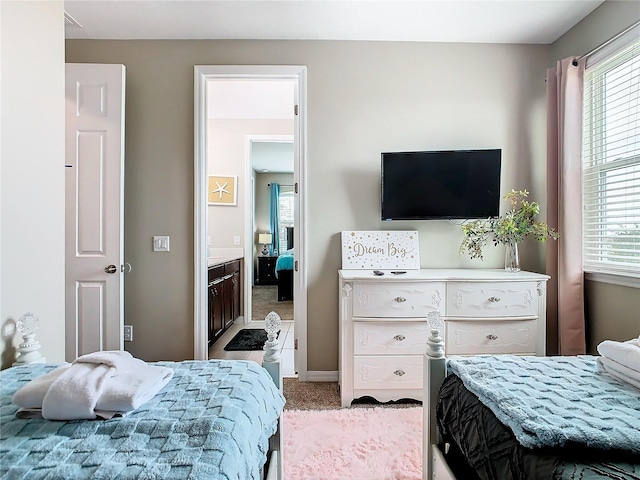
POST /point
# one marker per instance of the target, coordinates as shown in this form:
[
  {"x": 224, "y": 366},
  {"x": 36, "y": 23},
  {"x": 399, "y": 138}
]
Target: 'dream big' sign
[{"x": 380, "y": 250}]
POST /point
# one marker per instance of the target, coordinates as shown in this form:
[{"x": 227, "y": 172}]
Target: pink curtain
[{"x": 565, "y": 290}]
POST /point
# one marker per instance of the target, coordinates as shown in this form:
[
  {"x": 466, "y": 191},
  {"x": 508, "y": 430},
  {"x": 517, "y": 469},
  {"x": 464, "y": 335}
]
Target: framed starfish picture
[{"x": 222, "y": 190}]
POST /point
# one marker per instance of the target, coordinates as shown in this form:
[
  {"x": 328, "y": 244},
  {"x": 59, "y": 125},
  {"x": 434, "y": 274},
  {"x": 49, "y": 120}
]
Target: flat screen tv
[{"x": 440, "y": 185}]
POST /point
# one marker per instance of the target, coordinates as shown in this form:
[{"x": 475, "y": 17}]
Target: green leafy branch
[{"x": 513, "y": 227}]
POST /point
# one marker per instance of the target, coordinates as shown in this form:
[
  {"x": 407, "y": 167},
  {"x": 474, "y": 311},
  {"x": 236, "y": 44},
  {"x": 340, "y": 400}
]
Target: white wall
[{"x": 32, "y": 172}]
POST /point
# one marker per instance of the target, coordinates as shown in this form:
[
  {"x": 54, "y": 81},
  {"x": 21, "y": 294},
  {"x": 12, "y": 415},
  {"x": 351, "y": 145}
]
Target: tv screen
[{"x": 452, "y": 184}]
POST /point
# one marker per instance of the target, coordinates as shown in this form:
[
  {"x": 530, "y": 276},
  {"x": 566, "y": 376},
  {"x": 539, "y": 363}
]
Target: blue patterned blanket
[
  {"x": 555, "y": 401},
  {"x": 212, "y": 421}
]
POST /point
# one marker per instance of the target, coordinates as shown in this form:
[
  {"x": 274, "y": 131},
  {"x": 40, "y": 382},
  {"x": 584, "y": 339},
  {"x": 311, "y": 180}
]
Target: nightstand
[{"x": 267, "y": 271}]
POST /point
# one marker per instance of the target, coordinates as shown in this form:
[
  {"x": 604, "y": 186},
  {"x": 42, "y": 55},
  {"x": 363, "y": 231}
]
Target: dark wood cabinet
[
  {"x": 267, "y": 271},
  {"x": 224, "y": 298},
  {"x": 233, "y": 269}
]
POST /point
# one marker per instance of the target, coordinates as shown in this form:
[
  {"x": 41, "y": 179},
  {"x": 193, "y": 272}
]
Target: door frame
[{"x": 202, "y": 73}]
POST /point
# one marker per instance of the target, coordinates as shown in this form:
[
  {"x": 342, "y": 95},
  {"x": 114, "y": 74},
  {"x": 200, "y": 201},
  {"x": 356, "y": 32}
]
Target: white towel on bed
[
  {"x": 619, "y": 371},
  {"x": 75, "y": 393},
  {"x": 624, "y": 353},
  {"x": 101, "y": 384}
]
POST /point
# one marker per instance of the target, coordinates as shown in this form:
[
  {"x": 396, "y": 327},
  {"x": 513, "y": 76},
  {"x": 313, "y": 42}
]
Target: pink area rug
[{"x": 353, "y": 444}]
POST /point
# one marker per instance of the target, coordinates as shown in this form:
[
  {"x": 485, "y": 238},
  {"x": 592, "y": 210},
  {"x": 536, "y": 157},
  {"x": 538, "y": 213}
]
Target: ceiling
[{"x": 476, "y": 21}]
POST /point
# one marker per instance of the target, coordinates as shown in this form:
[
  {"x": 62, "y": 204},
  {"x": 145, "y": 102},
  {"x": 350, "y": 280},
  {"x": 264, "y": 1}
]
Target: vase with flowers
[{"x": 508, "y": 229}]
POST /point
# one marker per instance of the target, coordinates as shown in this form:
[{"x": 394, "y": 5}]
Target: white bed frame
[
  {"x": 434, "y": 465},
  {"x": 271, "y": 363}
]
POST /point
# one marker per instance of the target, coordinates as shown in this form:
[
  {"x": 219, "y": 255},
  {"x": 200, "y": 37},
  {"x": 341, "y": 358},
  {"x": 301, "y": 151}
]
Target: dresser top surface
[{"x": 443, "y": 274}]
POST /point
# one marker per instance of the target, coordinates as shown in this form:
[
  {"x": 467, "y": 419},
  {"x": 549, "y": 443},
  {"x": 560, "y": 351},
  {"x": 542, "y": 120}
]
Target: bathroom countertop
[{"x": 219, "y": 260}]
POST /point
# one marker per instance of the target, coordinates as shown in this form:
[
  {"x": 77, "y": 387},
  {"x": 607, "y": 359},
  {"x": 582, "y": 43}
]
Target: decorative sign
[
  {"x": 380, "y": 250},
  {"x": 222, "y": 190}
]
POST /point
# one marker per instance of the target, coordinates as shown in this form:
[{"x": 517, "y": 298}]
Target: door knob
[
  {"x": 111, "y": 269},
  {"x": 126, "y": 268}
]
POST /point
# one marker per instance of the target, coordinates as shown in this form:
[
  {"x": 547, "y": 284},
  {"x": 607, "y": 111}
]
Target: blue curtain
[{"x": 275, "y": 218}]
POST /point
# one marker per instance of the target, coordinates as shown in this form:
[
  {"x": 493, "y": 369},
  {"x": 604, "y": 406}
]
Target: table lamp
[{"x": 265, "y": 239}]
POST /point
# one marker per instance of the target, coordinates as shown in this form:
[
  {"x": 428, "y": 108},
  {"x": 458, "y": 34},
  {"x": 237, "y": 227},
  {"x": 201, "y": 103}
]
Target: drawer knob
[
  {"x": 399, "y": 337},
  {"x": 494, "y": 299},
  {"x": 398, "y": 372},
  {"x": 400, "y": 299},
  {"x": 492, "y": 337}
]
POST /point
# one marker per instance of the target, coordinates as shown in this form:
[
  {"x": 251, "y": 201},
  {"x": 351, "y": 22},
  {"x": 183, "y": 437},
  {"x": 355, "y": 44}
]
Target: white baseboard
[{"x": 322, "y": 376}]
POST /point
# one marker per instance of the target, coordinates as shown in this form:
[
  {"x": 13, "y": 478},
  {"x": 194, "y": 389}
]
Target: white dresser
[{"x": 384, "y": 330}]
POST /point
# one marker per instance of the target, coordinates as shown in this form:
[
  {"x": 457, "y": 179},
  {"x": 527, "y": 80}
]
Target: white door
[{"x": 94, "y": 144}]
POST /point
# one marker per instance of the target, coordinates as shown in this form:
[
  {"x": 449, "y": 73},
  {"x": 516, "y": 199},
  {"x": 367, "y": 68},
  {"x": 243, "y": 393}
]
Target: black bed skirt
[
  {"x": 285, "y": 285},
  {"x": 484, "y": 448}
]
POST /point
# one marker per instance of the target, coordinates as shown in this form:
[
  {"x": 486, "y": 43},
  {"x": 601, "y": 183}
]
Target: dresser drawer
[
  {"x": 498, "y": 299},
  {"x": 387, "y": 373},
  {"x": 499, "y": 336},
  {"x": 390, "y": 338},
  {"x": 397, "y": 299}
]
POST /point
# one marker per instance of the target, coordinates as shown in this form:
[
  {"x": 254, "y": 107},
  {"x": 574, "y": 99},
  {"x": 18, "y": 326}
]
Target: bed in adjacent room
[
  {"x": 509, "y": 417},
  {"x": 215, "y": 419},
  {"x": 284, "y": 274}
]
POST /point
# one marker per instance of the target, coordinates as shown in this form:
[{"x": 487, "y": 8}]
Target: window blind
[
  {"x": 611, "y": 163},
  {"x": 285, "y": 201}
]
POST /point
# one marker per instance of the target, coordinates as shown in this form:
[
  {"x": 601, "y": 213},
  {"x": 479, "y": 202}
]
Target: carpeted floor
[
  {"x": 355, "y": 443},
  {"x": 326, "y": 396},
  {"x": 265, "y": 299}
]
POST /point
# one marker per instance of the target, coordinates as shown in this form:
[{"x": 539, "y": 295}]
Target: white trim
[
  {"x": 320, "y": 376},
  {"x": 272, "y": 72},
  {"x": 200, "y": 344},
  {"x": 612, "y": 46},
  {"x": 622, "y": 280}
]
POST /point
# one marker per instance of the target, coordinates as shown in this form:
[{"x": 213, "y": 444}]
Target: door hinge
[
  {"x": 295, "y": 187},
  {"x": 295, "y": 344},
  {"x": 295, "y": 109},
  {"x": 296, "y": 265}
]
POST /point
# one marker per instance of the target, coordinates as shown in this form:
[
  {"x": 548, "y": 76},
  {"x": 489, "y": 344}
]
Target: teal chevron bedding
[
  {"x": 555, "y": 401},
  {"x": 212, "y": 421}
]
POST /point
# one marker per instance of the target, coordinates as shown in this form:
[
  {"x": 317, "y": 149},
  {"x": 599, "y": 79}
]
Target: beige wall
[
  {"x": 32, "y": 173},
  {"x": 226, "y": 155},
  {"x": 363, "y": 98},
  {"x": 612, "y": 311}
]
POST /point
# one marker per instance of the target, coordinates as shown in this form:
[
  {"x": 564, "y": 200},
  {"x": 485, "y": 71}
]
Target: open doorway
[
  {"x": 272, "y": 162},
  {"x": 211, "y": 232}
]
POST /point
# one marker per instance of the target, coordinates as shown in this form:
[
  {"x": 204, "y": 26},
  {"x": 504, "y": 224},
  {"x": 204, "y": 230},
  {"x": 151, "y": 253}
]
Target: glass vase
[{"x": 511, "y": 258}]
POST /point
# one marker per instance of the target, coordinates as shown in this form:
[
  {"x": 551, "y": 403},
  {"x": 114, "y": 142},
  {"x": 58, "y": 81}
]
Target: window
[
  {"x": 611, "y": 164},
  {"x": 285, "y": 204}
]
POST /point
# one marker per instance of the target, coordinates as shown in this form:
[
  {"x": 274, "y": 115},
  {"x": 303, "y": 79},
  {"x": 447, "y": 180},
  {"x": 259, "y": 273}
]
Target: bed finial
[
  {"x": 272, "y": 345},
  {"x": 435, "y": 343},
  {"x": 28, "y": 324}
]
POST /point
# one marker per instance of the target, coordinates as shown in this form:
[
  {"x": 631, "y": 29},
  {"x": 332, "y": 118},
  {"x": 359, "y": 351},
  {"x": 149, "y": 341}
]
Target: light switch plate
[
  {"x": 236, "y": 239},
  {"x": 128, "y": 333},
  {"x": 161, "y": 243}
]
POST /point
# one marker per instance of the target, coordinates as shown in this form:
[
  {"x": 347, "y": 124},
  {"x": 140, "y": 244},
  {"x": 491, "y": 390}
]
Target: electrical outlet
[
  {"x": 128, "y": 333},
  {"x": 236, "y": 239}
]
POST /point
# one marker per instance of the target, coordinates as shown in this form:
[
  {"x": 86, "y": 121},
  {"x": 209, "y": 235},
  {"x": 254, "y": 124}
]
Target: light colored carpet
[
  {"x": 326, "y": 396},
  {"x": 356, "y": 444},
  {"x": 265, "y": 300}
]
